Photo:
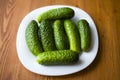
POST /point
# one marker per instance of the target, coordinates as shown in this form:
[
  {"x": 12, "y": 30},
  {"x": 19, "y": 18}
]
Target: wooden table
[{"x": 106, "y": 14}]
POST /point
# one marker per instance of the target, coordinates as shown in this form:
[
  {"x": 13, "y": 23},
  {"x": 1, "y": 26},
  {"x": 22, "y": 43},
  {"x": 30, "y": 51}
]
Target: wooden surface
[{"x": 106, "y": 14}]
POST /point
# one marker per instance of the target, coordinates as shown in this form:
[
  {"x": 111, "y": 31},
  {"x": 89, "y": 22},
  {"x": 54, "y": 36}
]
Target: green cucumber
[
  {"x": 73, "y": 35},
  {"x": 47, "y": 37},
  {"x": 85, "y": 34},
  {"x": 57, "y": 13},
  {"x": 57, "y": 57},
  {"x": 32, "y": 39},
  {"x": 60, "y": 36}
]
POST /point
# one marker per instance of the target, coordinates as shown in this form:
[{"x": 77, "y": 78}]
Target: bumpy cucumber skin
[
  {"x": 73, "y": 35},
  {"x": 61, "y": 40},
  {"x": 57, "y": 13},
  {"x": 47, "y": 37},
  {"x": 57, "y": 57},
  {"x": 85, "y": 34},
  {"x": 32, "y": 39}
]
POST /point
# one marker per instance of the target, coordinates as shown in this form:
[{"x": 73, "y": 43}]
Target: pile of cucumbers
[{"x": 55, "y": 39}]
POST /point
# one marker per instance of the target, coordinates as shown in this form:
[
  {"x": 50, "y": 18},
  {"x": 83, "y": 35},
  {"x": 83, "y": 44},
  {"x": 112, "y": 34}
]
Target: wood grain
[{"x": 106, "y": 14}]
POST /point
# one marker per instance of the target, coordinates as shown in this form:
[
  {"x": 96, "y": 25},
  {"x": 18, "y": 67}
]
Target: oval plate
[{"x": 28, "y": 59}]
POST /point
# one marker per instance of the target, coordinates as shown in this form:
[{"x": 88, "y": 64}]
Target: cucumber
[
  {"x": 57, "y": 57},
  {"x": 47, "y": 37},
  {"x": 32, "y": 39},
  {"x": 85, "y": 34},
  {"x": 73, "y": 35},
  {"x": 60, "y": 36},
  {"x": 57, "y": 13}
]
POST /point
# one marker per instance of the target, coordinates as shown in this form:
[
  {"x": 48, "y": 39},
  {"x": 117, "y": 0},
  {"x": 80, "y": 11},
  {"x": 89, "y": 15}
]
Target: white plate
[{"x": 28, "y": 59}]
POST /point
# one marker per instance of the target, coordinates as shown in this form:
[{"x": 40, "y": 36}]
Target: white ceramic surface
[{"x": 28, "y": 59}]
